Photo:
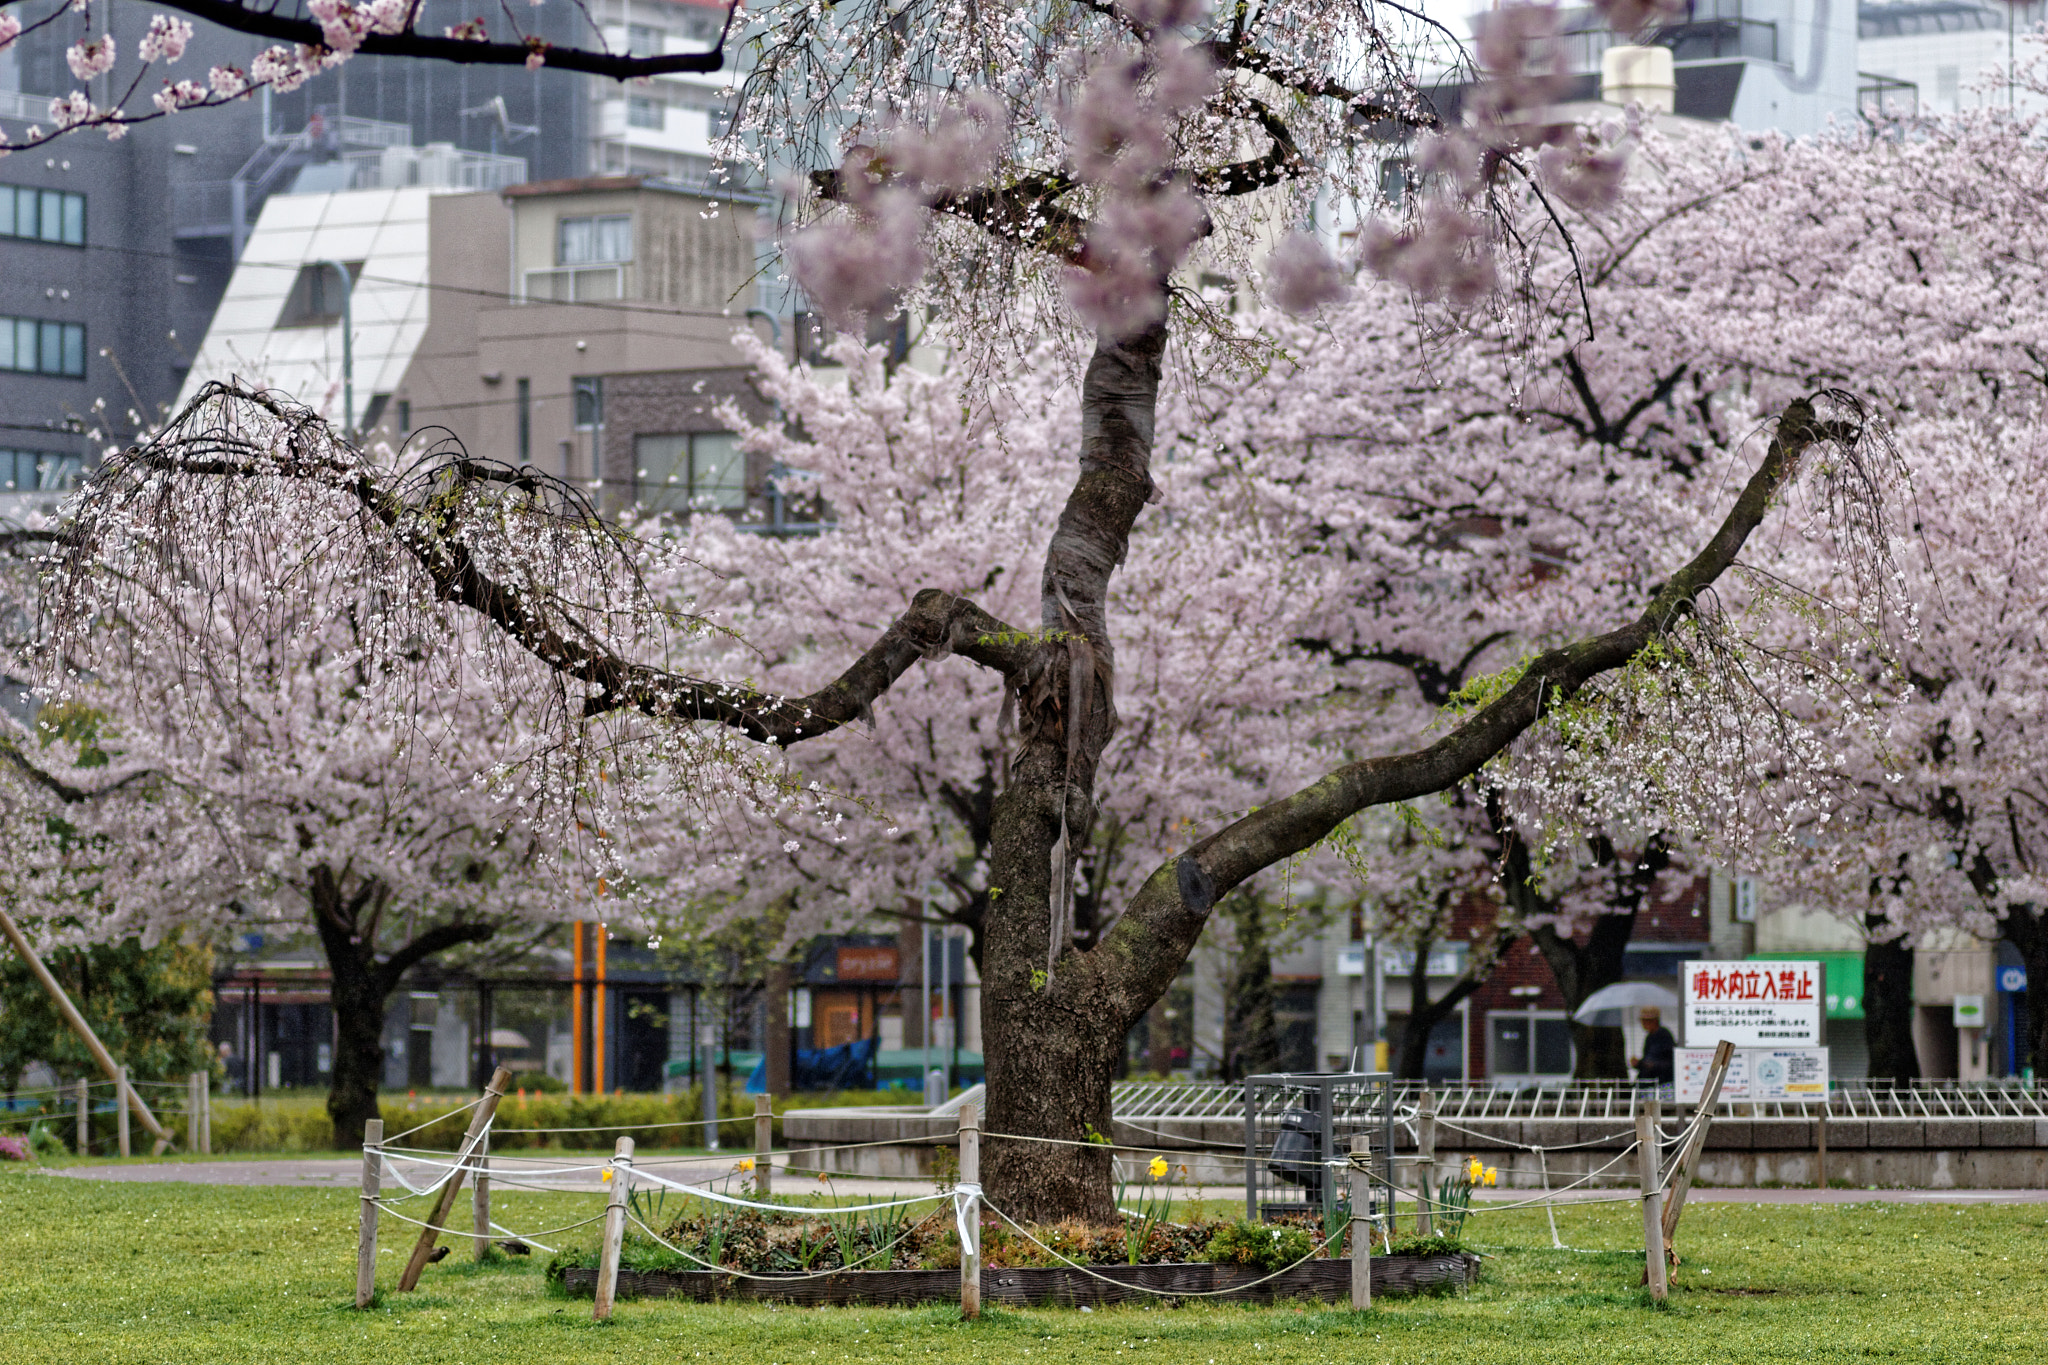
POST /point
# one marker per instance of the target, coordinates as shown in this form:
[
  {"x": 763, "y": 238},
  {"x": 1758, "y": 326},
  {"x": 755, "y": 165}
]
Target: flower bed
[{"x": 856, "y": 1254}]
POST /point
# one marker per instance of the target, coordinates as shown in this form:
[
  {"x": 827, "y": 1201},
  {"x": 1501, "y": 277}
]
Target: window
[
  {"x": 38, "y": 471},
  {"x": 42, "y": 215},
  {"x": 642, "y": 111},
  {"x": 1528, "y": 1043},
  {"x": 685, "y": 471},
  {"x": 316, "y": 296},
  {"x": 584, "y": 241},
  {"x": 29, "y": 346},
  {"x": 588, "y": 391},
  {"x": 643, "y": 40}
]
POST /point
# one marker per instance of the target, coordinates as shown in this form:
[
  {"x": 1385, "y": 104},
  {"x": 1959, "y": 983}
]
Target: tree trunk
[
  {"x": 1159, "y": 1039},
  {"x": 1888, "y": 1005},
  {"x": 776, "y": 1044},
  {"x": 1600, "y": 1051},
  {"x": 1055, "y": 1019},
  {"x": 1251, "y": 1037},
  {"x": 361, "y": 983}
]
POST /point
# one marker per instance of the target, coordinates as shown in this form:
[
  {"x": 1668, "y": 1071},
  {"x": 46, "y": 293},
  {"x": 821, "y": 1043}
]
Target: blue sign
[{"x": 2012, "y": 980}]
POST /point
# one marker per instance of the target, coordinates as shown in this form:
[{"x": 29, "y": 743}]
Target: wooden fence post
[
  {"x": 764, "y": 1146},
  {"x": 479, "y": 1119},
  {"x": 614, "y": 1231},
  {"x": 121, "y": 1108},
  {"x": 84, "y": 1117},
  {"x": 969, "y": 1195},
  {"x": 366, "y": 1232},
  {"x": 1361, "y": 1229},
  {"x": 1425, "y": 1161},
  {"x": 480, "y": 1199},
  {"x": 192, "y": 1112},
  {"x": 1647, "y": 1114},
  {"x": 206, "y": 1115},
  {"x": 1689, "y": 1156}
]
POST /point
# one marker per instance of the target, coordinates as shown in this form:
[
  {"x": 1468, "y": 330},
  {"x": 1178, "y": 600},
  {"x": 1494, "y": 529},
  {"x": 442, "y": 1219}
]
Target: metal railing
[
  {"x": 437, "y": 165},
  {"x": 576, "y": 284},
  {"x": 1462, "y": 1101},
  {"x": 22, "y": 105}
]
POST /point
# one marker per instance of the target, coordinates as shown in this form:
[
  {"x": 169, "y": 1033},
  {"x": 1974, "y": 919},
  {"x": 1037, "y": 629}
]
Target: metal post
[
  {"x": 348, "y": 349},
  {"x": 1361, "y": 1230},
  {"x": 969, "y": 1195},
  {"x": 764, "y": 1146},
  {"x": 924, "y": 1007},
  {"x": 1425, "y": 1161},
  {"x": 366, "y": 1236},
  {"x": 1820, "y": 1156},
  {"x": 951, "y": 1042},
  {"x": 614, "y": 1230},
  {"x": 1647, "y": 1114},
  {"x": 710, "y": 1078},
  {"x": 206, "y": 1114}
]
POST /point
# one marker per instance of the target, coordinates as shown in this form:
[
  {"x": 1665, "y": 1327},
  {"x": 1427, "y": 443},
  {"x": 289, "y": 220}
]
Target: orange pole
[
  {"x": 597, "y": 1017},
  {"x": 576, "y": 1014}
]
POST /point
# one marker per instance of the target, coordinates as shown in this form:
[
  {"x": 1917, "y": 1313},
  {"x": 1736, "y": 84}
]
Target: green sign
[{"x": 1844, "y": 972}]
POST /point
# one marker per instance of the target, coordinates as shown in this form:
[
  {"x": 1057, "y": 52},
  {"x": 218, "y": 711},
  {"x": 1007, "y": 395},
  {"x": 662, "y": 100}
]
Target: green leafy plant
[
  {"x": 1154, "y": 1207},
  {"x": 1259, "y": 1245}
]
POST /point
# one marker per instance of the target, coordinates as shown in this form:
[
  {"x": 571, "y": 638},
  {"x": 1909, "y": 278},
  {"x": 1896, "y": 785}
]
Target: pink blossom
[
  {"x": 1582, "y": 173},
  {"x": 1163, "y": 13},
  {"x": 166, "y": 38},
  {"x": 1446, "y": 256},
  {"x": 174, "y": 97},
  {"x": 957, "y": 150},
  {"x": 857, "y": 261},
  {"x": 10, "y": 29},
  {"x": 1301, "y": 277},
  {"x": 536, "y": 53},
  {"x": 227, "y": 80},
  {"x": 68, "y": 111},
  {"x": 91, "y": 57}
]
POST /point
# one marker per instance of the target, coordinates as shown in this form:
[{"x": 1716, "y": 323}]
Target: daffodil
[
  {"x": 604, "y": 1175},
  {"x": 824, "y": 1175},
  {"x": 1159, "y": 1168},
  {"x": 746, "y": 1163},
  {"x": 1475, "y": 1172},
  {"x": 1492, "y": 1175}
]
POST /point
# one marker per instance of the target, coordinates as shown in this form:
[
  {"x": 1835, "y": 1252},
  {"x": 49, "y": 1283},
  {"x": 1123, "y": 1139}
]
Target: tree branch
[
  {"x": 1175, "y": 901},
  {"x": 286, "y": 29},
  {"x": 438, "y": 939}
]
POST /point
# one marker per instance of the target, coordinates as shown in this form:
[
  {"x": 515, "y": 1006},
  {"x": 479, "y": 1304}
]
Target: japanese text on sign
[{"x": 1752, "y": 1004}]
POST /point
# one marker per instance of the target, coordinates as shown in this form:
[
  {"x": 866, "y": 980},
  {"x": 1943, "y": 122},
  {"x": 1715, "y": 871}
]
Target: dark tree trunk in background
[
  {"x": 776, "y": 1044},
  {"x": 1888, "y": 1005},
  {"x": 1251, "y": 1034},
  {"x": 361, "y": 983}
]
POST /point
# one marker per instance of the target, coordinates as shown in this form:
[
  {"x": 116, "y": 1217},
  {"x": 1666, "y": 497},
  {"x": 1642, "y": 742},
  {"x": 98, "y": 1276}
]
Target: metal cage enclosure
[{"x": 1296, "y": 1124}]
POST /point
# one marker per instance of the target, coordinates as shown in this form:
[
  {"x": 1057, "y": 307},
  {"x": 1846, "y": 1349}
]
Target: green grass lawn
[{"x": 184, "y": 1273}]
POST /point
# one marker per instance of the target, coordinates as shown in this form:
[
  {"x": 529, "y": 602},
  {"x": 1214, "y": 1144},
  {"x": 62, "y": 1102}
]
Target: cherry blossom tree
[
  {"x": 251, "y": 760},
  {"x": 1050, "y": 201}
]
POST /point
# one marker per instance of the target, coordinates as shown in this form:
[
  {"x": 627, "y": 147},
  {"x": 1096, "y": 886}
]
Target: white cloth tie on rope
[{"x": 962, "y": 1195}]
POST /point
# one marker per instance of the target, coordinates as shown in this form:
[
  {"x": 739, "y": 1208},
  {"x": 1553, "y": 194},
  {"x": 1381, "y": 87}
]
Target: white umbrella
[{"x": 1623, "y": 995}]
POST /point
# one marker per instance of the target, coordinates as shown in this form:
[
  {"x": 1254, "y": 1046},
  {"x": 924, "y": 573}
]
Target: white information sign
[
  {"x": 1762, "y": 1073},
  {"x": 1752, "y": 1004}
]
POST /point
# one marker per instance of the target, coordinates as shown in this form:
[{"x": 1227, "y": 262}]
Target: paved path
[{"x": 330, "y": 1171}]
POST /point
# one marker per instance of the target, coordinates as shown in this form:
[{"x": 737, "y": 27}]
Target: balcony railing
[{"x": 438, "y": 165}]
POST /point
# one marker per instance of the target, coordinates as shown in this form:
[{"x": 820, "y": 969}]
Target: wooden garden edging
[{"x": 1060, "y": 1286}]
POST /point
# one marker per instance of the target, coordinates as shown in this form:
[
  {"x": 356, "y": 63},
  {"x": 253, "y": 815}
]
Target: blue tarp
[{"x": 850, "y": 1066}]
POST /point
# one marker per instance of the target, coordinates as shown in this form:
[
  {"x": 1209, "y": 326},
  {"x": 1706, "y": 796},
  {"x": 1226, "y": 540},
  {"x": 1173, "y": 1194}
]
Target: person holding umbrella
[{"x": 1657, "y": 1065}]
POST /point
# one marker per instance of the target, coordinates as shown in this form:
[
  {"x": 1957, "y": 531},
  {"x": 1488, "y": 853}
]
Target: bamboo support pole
[
  {"x": 1655, "y": 1274},
  {"x": 479, "y": 1120},
  {"x": 480, "y": 1199},
  {"x": 1361, "y": 1229},
  {"x": 969, "y": 1195},
  {"x": 614, "y": 1231},
  {"x": 82, "y": 1029},
  {"x": 366, "y": 1231},
  {"x": 764, "y": 1146}
]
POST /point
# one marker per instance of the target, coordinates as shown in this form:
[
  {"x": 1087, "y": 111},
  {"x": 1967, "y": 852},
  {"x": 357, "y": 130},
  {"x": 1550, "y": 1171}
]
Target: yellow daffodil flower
[
  {"x": 746, "y": 1163},
  {"x": 1475, "y": 1172},
  {"x": 604, "y": 1175},
  {"x": 1158, "y": 1168},
  {"x": 1492, "y": 1175}
]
